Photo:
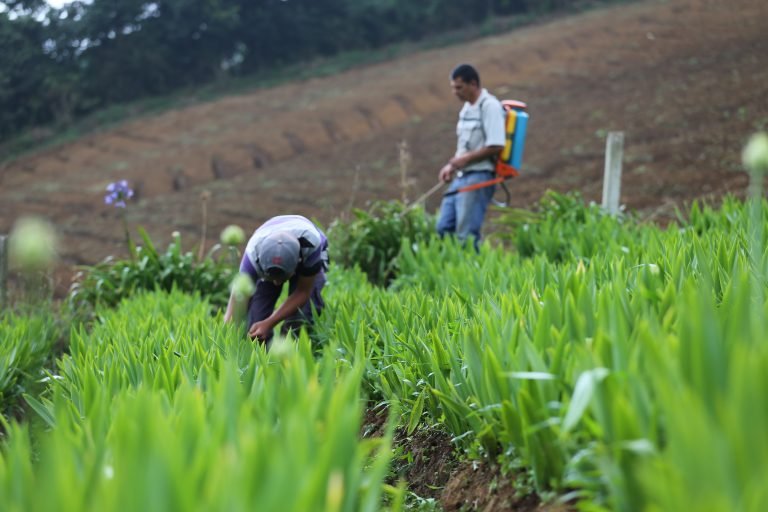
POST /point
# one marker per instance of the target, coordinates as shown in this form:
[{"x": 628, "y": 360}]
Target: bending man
[{"x": 285, "y": 248}]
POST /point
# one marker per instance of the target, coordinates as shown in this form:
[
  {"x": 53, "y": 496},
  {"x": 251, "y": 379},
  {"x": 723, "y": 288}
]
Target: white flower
[
  {"x": 755, "y": 154},
  {"x": 232, "y": 235},
  {"x": 32, "y": 244}
]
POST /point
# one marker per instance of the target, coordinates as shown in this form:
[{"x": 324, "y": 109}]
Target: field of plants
[{"x": 601, "y": 362}]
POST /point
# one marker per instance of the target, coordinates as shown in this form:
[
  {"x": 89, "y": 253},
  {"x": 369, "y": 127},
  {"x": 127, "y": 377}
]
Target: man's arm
[
  {"x": 245, "y": 268},
  {"x": 237, "y": 304},
  {"x": 470, "y": 157},
  {"x": 230, "y": 308},
  {"x": 459, "y": 162},
  {"x": 292, "y": 303}
]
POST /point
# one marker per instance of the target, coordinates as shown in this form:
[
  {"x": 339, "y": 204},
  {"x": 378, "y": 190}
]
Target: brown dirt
[
  {"x": 428, "y": 461},
  {"x": 433, "y": 461},
  {"x": 686, "y": 80},
  {"x": 482, "y": 486}
]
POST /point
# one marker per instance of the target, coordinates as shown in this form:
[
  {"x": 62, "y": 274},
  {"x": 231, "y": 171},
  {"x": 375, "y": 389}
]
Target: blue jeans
[{"x": 463, "y": 213}]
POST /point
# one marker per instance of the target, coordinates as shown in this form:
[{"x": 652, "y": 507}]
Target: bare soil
[
  {"x": 434, "y": 469},
  {"x": 685, "y": 80}
]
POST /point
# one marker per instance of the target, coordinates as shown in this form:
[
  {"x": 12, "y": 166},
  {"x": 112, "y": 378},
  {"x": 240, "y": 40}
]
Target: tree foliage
[{"x": 59, "y": 64}]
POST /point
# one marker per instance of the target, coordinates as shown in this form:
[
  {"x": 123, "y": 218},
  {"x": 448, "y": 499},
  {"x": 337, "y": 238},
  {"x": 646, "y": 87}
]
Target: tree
[
  {"x": 22, "y": 74},
  {"x": 90, "y": 54}
]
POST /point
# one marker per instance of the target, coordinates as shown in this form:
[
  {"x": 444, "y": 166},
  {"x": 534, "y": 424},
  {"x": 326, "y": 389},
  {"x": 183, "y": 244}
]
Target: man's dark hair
[{"x": 467, "y": 74}]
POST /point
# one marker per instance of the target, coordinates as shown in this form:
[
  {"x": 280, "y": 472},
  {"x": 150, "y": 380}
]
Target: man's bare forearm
[
  {"x": 461, "y": 161},
  {"x": 291, "y": 305}
]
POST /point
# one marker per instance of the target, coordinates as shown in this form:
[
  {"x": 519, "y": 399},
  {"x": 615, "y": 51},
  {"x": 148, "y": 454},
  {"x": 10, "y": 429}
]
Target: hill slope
[{"x": 686, "y": 80}]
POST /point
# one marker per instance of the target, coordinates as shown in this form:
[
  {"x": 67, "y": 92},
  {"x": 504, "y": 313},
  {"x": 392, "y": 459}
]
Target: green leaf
[
  {"x": 415, "y": 417},
  {"x": 43, "y": 410},
  {"x": 582, "y": 395}
]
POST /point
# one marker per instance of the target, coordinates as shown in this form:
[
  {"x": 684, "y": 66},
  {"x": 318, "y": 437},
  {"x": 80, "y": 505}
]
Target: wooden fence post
[
  {"x": 3, "y": 270},
  {"x": 614, "y": 150}
]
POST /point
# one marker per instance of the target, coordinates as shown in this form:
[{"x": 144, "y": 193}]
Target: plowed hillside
[{"x": 686, "y": 80}]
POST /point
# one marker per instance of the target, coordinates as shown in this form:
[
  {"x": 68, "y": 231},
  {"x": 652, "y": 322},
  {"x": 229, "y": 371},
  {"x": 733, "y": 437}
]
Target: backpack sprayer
[{"x": 510, "y": 159}]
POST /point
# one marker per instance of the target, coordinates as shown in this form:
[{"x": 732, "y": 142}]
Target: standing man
[
  {"x": 480, "y": 133},
  {"x": 285, "y": 248}
]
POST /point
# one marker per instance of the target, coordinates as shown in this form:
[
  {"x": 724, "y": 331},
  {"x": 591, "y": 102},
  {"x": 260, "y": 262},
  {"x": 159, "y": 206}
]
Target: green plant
[
  {"x": 583, "y": 372},
  {"x": 561, "y": 227},
  {"x": 160, "y": 407},
  {"x": 26, "y": 346},
  {"x": 372, "y": 239},
  {"x": 110, "y": 281}
]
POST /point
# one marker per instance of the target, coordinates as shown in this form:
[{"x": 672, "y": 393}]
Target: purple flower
[{"x": 117, "y": 193}]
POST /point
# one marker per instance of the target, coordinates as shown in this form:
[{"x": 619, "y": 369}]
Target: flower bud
[
  {"x": 232, "y": 235},
  {"x": 243, "y": 286},
  {"x": 281, "y": 348},
  {"x": 755, "y": 154},
  {"x": 32, "y": 244}
]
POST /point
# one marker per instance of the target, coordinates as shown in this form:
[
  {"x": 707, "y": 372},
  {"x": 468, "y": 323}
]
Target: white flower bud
[
  {"x": 32, "y": 244},
  {"x": 243, "y": 286},
  {"x": 232, "y": 235},
  {"x": 281, "y": 348},
  {"x": 755, "y": 154}
]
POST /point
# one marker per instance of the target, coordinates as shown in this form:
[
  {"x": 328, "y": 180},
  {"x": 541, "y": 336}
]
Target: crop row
[
  {"x": 161, "y": 407},
  {"x": 628, "y": 374}
]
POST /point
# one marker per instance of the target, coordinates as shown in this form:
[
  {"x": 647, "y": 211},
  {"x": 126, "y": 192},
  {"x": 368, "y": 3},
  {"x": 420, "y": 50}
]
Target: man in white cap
[{"x": 285, "y": 248}]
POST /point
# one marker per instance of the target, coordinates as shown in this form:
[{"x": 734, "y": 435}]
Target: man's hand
[
  {"x": 460, "y": 162},
  {"x": 446, "y": 173},
  {"x": 453, "y": 165},
  {"x": 260, "y": 330}
]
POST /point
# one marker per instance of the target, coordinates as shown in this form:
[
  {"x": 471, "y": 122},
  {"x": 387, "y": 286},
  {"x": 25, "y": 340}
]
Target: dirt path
[{"x": 686, "y": 80}]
